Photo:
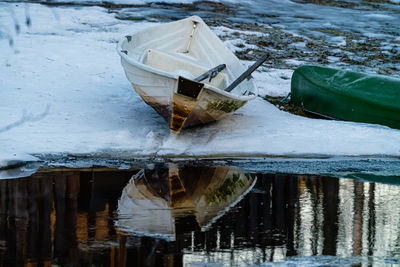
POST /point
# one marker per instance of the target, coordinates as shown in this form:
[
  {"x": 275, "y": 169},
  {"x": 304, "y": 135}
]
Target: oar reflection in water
[{"x": 164, "y": 202}]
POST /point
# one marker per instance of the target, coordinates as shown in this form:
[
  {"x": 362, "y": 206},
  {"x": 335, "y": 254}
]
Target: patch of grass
[
  {"x": 133, "y": 18},
  {"x": 336, "y": 3},
  {"x": 284, "y": 104},
  {"x": 225, "y": 106}
]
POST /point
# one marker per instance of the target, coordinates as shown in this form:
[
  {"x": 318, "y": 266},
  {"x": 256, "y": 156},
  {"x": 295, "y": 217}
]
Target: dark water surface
[{"x": 180, "y": 215}]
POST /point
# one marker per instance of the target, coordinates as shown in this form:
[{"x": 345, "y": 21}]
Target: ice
[
  {"x": 380, "y": 16},
  {"x": 126, "y": 2},
  {"x": 9, "y": 159},
  {"x": 274, "y": 82},
  {"x": 63, "y": 90}
]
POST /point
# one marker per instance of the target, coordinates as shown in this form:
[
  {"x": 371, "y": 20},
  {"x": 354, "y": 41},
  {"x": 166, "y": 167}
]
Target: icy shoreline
[
  {"x": 64, "y": 91},
  {"x": 382, "y": 169}
]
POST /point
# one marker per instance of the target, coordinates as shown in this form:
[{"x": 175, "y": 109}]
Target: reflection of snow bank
[{"x": 67, "y": 62}]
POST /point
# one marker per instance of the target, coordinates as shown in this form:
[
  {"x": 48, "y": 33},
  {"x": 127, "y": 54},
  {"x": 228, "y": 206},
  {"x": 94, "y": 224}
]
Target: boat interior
[
  {"x": 181, "y": 64},
  {"x": 187, "y": 48}
]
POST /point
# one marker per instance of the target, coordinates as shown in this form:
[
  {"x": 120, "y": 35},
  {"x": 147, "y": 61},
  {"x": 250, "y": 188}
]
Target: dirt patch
[{"x": 283, "y": 103}]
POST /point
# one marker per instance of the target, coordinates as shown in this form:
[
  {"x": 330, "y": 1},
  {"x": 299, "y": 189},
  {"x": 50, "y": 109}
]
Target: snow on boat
[
  {"x": 162, "y": 62},
  {"x": 347, "y": 95},
  {"x": 157, "y": 202}
]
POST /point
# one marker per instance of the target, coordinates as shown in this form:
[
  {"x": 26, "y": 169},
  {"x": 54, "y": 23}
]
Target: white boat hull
[{"x": 153, "y": 65}]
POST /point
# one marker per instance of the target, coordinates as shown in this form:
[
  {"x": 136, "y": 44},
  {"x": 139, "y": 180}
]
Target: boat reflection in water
[{"x": 163, "y": 201}]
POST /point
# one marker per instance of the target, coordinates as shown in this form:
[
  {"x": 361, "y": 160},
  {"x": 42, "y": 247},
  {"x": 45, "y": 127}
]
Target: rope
[{"x": 285, "y": 99}]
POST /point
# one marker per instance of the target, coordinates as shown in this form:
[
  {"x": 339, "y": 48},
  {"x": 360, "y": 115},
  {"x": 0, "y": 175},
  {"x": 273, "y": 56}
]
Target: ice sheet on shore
[
  {"x": 9, "y": 159},
  {"x": 130, "y": 2},
  {"x": 64, "y": 91}
]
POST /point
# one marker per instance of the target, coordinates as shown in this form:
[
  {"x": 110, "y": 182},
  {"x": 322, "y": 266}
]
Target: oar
[
  {"x": 212, "y": 73},
  {"x": 247, "y": 73}
]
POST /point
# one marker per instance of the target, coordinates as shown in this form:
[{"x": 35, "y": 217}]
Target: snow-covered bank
[
  {"x": 9, "y": 159},
  {"x": 64, "y": 91}
]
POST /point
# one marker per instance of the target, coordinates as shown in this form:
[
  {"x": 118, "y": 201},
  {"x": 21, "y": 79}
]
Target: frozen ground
[{"x": 63, "y": 90}]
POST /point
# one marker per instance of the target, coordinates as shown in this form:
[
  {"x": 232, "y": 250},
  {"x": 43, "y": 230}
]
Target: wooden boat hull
[
  {"x": 347, "y": 95},
  {"x": 153, "y": 67}
]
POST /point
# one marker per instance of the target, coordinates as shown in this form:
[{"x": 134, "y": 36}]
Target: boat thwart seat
[{"x": 180, "y": 64}]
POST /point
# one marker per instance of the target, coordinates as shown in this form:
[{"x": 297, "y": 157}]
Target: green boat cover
[{"x": 347, "y": 95}]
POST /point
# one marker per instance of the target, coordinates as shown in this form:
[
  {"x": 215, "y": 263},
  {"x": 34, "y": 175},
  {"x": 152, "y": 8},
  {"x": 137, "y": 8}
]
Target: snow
[
  {"x": 9, "y": 159},
  {"x": 340, "y": 40},
  {"x": 222, "y": 30},
  {"x": 380, "y": 16},
  {"x": 127, "y": 2},
  {"x": 136, "y": 2},
  {"x": 13, "y": 165},
  {"x": 63, "y": 90},
  {"x": 273, "y": 82}
]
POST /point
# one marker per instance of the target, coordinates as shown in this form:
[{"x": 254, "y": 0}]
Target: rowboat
[
  {"x": 161, "y": 201},
  {"x": 166, "y": 66},
  {"x": 347, "y": 95}
]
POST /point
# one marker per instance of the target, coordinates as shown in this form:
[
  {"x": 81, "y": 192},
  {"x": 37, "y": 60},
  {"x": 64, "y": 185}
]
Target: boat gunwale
[
  {"x": 358, "y": 97},
  {"x": 166, "y": 74}
]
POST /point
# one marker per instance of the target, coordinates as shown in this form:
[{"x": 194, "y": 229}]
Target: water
[{"x": 196, "y": 215}]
